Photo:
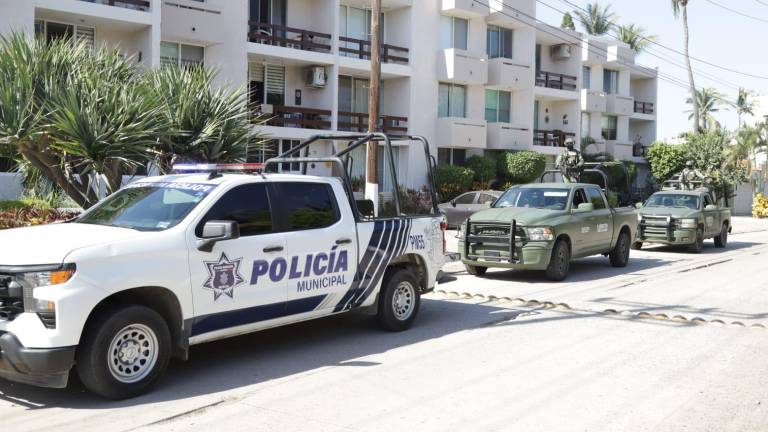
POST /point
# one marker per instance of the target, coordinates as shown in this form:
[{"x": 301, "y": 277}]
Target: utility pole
[{"x": 371, "y": 181}]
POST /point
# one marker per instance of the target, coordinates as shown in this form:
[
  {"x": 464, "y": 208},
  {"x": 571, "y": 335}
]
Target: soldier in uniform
[
  {"x": 689, "y": 175},
  {"x": 570, "y": 162}
]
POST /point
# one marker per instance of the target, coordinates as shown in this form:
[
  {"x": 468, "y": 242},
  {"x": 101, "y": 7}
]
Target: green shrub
[
  {"x": 665, "y": 160},
  {"x": 484, "y": 168},
  {"x": 452, "y": 181},
  {"x": 522, "y": 167}
]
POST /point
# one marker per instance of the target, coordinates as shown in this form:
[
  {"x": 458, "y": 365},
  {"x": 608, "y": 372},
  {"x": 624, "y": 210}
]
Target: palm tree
[
  {"x": 567, "y": 22},
  {"x": 745, "y": 103},
  {"x": 635, "y": 37},
  {"x": 596, "y": 20},
  {"x": 708, "y": 102},
  {"x": 680, "y": 7}
]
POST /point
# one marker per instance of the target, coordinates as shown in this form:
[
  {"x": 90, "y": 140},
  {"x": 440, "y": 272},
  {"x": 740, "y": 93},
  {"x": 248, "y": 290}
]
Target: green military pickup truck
[
  {"x": 683, "y": 218},
  {"x": 553, "y": 223}
]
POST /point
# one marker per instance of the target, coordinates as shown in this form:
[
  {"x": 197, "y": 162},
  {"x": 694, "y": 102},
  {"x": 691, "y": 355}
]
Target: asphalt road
[{"x": 674, "y": 342}]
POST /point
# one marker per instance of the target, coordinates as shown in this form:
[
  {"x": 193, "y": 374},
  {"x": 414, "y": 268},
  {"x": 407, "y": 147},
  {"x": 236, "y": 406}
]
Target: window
[
  {"x": 268, "y": 11},
  {"x": 499, "y": 43},
  {"x": 267, "y": 83},
  {"x": 596, "y": 198},
  {"x": 176, "y": 54},
  {"x": 453, "y": 32},
  {"x": 273, "y": 148},
  {"x": 487, "y": 199},
  {"x": 353, "y": 94},
  {"x": 248, "y": 205},
  {"x": 707, "y": 201},
  {"x": 497, "y": 106},
  {"x": 305, "y": 206},
  {"x": 586, "y": 73},
  {"x": 586, "y": 120},
  {"x": 53, "y": 30},
  {"x": 451, "y": 156},
  {"x": 579, "y": 197},
  {"x": 451, "y": 100},
  {"x": 609, "y": 126},
  {"x": 610, "y": 81},
  {"x": 468, "y": 198}
]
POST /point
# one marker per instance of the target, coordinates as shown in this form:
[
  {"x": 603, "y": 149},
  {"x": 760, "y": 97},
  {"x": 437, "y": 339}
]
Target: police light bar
[{"x": 210, "y": 167}]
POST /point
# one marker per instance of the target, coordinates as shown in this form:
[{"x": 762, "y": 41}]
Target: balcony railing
[
  {"x": 551, "y": 138},
  {"x": 141, "y": 5},
  {"x": 278, "y": 35},
  {"x": 358, "y": 122},
  {"x": 644, "y": 107},
  {"x": 555, "y": 81},
  {"x": 361, "y": 49},
  {"x": 296, "y": 117}
]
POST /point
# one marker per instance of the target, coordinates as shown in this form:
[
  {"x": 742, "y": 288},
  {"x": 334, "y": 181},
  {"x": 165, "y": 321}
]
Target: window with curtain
[
  {"x": 453, "y": 32},
  {"x": 610, "y": 124},
  {"x": 451, "y": 100},
  {"x": 267, "y": 83},
  {"x": 499, "y": 42},
  {"x": 586, "y": 73},
  {"x": 497, "y": 106},
  {"x": 610, "y": 81}
]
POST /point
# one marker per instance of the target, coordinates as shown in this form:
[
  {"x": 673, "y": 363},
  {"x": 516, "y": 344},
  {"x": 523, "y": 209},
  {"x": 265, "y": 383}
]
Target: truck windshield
[
  {"x": 673, "y": 200},
  {"x": 540, "y": 198},
  {"x": 147, "y": 206}
]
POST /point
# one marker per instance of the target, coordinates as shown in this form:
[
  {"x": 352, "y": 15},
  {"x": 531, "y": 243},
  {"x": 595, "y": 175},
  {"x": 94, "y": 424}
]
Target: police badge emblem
[{"x": 223, "y": 276}]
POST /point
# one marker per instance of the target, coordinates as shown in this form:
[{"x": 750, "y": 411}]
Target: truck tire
[
  {"x": 721, "y": 240},
  {"x": 560, "y": 262},
  {"x": 637, "y": 245},
  {"x": 619, "y": 256},
  {"x": 400, "y": 300},
  {"x": 476, "y": 270},
  {"x": 123, "y": 352},
  {"x": 698, "y": 244}
]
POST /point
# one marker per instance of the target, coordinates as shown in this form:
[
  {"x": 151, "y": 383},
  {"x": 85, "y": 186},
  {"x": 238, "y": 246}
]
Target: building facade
[{"x": 473, "y": 77}]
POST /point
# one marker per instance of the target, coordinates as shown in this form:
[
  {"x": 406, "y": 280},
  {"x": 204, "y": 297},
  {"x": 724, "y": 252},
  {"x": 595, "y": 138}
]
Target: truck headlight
[
  {"x": 462, "y": 230},
  {"x": 541, "y": 234},
  {"x": 639, "y": 218},
  {"x": 688, "y": 223},
  {"x": 37, "y": 279}
]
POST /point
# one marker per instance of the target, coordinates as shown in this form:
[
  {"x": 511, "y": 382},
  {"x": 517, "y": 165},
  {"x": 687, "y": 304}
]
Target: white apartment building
[{"x": 473, "y": 77}]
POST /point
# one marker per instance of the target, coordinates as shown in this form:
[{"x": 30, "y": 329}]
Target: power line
[
  {"x": 737, "y": 12},
  {"x": 682, "y": 53},
  {"x": 762, "y": 2}
]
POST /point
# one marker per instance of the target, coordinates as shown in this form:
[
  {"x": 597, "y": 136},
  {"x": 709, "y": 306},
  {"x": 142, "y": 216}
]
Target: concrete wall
[{"x": 10, "y": 186}]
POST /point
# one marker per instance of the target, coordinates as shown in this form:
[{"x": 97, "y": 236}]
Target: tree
[
  {"x": 745, "y": 103},
  {"x": 635, "y": 37},
  {"x": 708, "y": 102},
  {"x": 483, "y": 167},
  {"x": 709, "y": 153},
  {"x": 522, "y": 166},
  {"x": 567, "y": 23},
  {"x": 596, "y": 20},
  {"x": 680, "y": 7},
  {"x": 665, "y": 160}
]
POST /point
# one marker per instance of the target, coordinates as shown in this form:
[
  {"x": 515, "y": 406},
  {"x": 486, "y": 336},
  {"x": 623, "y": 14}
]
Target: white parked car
[{"x": 173, "y": 261}]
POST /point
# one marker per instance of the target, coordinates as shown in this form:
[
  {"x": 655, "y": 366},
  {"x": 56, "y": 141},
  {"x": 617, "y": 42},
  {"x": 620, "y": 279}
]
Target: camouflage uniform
[
  {"x": 570, "y": 163},
  {"x": 689, "y": 175}
]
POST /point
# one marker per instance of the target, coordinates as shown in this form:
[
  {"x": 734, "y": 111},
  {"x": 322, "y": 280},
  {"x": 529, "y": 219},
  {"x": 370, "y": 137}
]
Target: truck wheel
[
  {"x": 560, "y": 263},
  {"x": 619, "y": 256},
  {"x": 698, "y": 245},
  {"x": 476, "y": 270},
  {"x": 400, "y": 300},
  {"x": 637, "y": 245},
  {"x": 721, "y": 240},
  {"x": 124, "y": 352}
]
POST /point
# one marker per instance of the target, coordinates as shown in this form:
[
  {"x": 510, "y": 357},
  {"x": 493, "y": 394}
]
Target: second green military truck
[
  {"x": 545, "y": 226},
  {"x": 680, "y": 217}
]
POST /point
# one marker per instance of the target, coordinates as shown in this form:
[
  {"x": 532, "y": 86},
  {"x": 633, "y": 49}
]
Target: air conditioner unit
[
  {"x": 560, "y": 52},
  {"x": 315, "y": 76}
]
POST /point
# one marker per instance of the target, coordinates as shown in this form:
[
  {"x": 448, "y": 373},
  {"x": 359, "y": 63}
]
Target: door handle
[
  {"x": 271, "y": 249},
  {"x": 343, "y": 241}
]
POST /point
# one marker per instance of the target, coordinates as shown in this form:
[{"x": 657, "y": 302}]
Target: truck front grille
[
  {"x": 657, "y": 226},
  {"x": 491, "y": 241},
  {"x": 11, "y": 304}
]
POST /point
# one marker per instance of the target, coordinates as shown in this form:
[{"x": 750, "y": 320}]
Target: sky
[{"x": 717, "y": 36}]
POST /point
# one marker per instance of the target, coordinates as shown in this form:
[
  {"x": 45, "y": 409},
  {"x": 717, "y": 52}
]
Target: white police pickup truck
[{"x": 173, "y": 261}]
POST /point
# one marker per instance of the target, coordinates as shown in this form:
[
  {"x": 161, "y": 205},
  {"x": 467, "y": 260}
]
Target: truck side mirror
[
  {"x": 639, "y": 205},
  {"x": 453, "y": 203},
  {"x": 584, "y": 208},
  {"x": 216, "y": 231},
  {"x": 710, "y": 207}
]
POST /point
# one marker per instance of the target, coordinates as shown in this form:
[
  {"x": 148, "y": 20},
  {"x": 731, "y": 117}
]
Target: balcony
[
  {"x": 593, "y": 101},
  {"x": 504, "y": 136},
  {"x": 644, "y": 108},
  {"x": 465, "y": 8},
  {"x": 459, "y": 132},
  {"x": 139, "y": 5},
  {"x": 358, "y": 122},
  {"x": 511, "y": 13},
  {"x": 551, "y": 138},
  {"x": 296, "y": 117},
  {"x": 509, "y": 74},
  {"x": 620, "y": 55},
  {"x": 619, "y": 105},
  {"x": 555, "y": 81},
  {"x": 458, "y": 66},
  {"x": 360, "y": 48},
  {"x": 287, "y": 37}
]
